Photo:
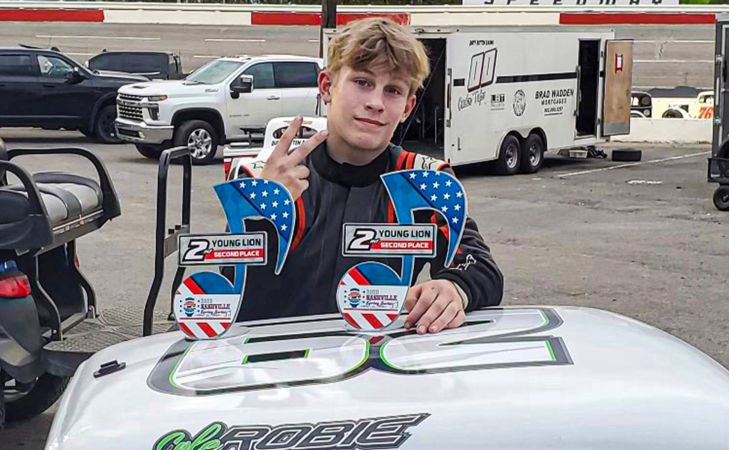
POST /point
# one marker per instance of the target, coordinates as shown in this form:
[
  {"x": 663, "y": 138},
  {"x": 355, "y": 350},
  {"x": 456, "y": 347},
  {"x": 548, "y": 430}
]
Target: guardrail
[
  {"x": 414, "y": 15},
  {"x": 110, "y": 5}
]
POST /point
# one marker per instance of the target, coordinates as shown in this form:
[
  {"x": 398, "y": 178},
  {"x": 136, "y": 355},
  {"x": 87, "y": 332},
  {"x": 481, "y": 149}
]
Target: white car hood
[
  {"x": 172, "y": 88},
  {"x": 512, "y": 378}
]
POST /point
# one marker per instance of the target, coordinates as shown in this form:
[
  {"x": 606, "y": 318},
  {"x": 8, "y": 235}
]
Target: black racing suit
[{"x": 344, "y": 193}]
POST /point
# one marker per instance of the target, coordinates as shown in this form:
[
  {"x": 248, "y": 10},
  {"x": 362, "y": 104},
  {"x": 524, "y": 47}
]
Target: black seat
[
  {"x": 66, "y": 198},
  {"x": 47, "y": 209}
]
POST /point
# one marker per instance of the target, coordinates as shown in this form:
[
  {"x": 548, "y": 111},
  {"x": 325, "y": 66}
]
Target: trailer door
[
  {"x": 618, "y": 85},
  {"x": 721, "y": 90},
  {"x": 470, "y": 75}
]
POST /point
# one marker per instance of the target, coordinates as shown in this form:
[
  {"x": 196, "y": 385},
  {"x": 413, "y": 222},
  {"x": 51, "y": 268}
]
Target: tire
[
  {"x": 629, "y": 155},
  {"x": 509, "y": 156},
  {"x": 721, "y": 198},
  {"x": 104, "y": 130},
  {"x": 532, "y": 154},
  {"x": 200, "y": 137},
  {"x": 46, "y": 390},
  {"x": 149, "y": 151},
  {"x": 672, "y": 114},
  {"x": 723, "y": 150}
]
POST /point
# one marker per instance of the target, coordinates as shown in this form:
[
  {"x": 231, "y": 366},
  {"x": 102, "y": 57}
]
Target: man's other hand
[{"x": 434, "y": 305}]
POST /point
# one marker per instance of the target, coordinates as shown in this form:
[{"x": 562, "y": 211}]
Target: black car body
[
  {"x": 153, "y": 65},
  {"x": 46, "y": 89}
]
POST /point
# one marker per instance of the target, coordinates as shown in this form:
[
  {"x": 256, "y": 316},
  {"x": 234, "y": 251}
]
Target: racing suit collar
[{"x": 347, "y": 174}]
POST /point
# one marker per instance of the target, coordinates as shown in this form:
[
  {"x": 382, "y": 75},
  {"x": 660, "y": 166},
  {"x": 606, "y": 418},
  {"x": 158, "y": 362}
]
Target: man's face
[{"x": 365, "y": 107}]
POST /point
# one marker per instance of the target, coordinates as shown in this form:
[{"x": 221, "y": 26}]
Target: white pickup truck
[{"x": 223, "y": 101}]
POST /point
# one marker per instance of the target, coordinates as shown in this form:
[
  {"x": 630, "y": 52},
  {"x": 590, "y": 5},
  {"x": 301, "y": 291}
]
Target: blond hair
[{"x": 378, "y": 43}]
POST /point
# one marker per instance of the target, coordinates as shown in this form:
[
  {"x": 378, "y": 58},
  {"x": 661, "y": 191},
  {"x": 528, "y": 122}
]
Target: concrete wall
[{"x": 678, "y": 131}]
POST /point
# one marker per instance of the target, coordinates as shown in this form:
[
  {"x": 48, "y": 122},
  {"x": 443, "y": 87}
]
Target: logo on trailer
[
  {"x": 519, "y": 102},
  {"x": 482, "y": 70},
  {"x": 498, "y": 101}
]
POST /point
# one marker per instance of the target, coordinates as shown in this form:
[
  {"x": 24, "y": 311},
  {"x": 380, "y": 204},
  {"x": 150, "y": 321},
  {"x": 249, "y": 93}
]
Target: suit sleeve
[{"x": 473, "y": 268}]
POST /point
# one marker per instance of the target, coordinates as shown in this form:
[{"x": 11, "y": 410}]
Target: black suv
[
  {"x": 153, "y": 65},
  {"x": 46, "y": 89}
]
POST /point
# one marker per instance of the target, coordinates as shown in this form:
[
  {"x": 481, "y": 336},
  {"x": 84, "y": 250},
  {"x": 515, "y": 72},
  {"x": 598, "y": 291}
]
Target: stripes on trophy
[
  {"x": 369, "y": 320},
  {"x": 203, "y": 329}
]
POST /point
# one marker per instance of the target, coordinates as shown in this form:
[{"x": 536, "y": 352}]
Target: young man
[{"x": 374, "y": 69}]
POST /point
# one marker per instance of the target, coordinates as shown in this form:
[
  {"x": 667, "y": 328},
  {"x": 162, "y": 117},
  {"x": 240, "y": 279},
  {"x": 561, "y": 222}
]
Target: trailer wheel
[
  {"x": 532, "y": 154},
  {"x": 509, "y": 156},
  {"x": 629, "y": 155},
  {"x": 721, "y": 198}
]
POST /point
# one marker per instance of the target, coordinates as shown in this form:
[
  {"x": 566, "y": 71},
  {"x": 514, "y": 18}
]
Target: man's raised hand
[{"x": 286, "y": 166}]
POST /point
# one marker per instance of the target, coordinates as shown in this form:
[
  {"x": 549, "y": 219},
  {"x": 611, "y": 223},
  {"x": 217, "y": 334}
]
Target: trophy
[
  {"x": 207, "y": 303},
  {"x": 370, "y": 295}
]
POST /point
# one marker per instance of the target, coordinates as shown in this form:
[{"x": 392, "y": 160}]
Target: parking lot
[{"x": 641, "y": 239}]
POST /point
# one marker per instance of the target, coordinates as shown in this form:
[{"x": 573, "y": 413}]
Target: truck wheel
[
  {"x": 532, "y": 156},
  {"x": 149, "y": 151},
  {"x": 200, "y": 137},
  {"x": 23, "y": 403},
  {"x": 721, "y": 198},
  {"x": 104, "y": 128},
  {"x": 509, "y": 156}
]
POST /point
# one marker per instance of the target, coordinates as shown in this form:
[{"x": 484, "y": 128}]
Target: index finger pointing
[{"x": 302, "y": 151}]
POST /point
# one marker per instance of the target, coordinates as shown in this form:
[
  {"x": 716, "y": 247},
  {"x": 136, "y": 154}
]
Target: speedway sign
[{"x": 586, "y": 3}]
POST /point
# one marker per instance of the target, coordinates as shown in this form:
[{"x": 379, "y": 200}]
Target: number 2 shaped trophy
[
  {"x": 371, "y": 294},
  {"x": 207, "y": 303}
]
